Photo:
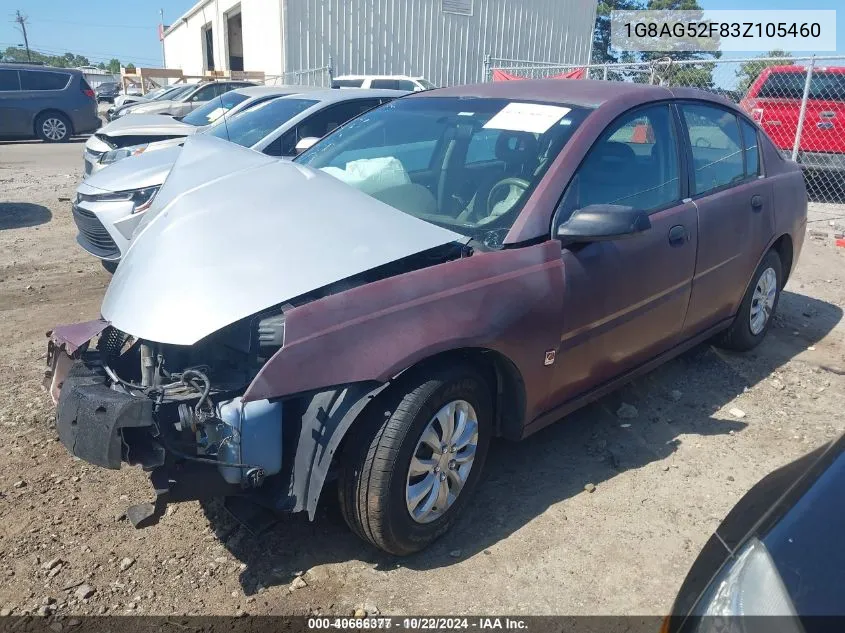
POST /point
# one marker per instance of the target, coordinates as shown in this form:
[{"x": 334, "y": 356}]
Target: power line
[
  {"x": 92, "y": 54},
  {"x": 91, "y": 58},
  {"x": 104, "y": 26}
]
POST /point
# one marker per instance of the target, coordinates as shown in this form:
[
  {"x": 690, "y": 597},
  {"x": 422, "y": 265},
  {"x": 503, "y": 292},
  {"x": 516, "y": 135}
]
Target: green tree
[
  {"x": 750, "y": 70},
  {"x": 602, "y": 53},
  {"x": 130, "y": 67},
  {"x": 691, "y": 75},
  {"x": 114, "y": 66}
]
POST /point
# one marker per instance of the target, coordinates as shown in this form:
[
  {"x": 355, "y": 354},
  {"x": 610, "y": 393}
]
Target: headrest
[{"x": 516, "y": 147}]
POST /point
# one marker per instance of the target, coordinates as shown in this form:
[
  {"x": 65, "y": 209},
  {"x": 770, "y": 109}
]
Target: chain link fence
[
  {"x": 321, "y": 76},
  {"x": 798, "y": 101}
]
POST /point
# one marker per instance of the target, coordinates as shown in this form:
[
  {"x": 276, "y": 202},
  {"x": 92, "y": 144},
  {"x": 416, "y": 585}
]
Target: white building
[{"x": 443, "y": 40}]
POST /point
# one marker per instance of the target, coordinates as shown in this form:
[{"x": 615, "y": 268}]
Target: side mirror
[
  {"x": 603, "y": 222},
  {"x": 305, "y": 143}
]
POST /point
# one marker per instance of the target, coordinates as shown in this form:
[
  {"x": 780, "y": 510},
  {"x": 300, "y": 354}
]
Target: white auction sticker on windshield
[
  {"x": 215, "y": 113},
  {"x": 527, "y": 117}
]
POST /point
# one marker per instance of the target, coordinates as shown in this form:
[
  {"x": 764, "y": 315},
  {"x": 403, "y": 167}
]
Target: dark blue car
[
  {"x": 779, "y": 552},
  {"x": 52, "y": 104}
]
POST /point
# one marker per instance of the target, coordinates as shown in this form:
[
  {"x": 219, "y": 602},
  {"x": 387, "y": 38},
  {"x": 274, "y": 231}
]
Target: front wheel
[
  {"x": 755, "y": 314},
  {"x": 407, "y": 474}
]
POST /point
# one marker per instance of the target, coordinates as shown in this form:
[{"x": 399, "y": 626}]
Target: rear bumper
[{"x": 817, "y": 161}]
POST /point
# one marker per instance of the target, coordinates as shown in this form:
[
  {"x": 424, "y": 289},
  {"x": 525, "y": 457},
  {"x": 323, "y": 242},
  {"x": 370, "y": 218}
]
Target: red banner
[{"x": 577, "y": 73}]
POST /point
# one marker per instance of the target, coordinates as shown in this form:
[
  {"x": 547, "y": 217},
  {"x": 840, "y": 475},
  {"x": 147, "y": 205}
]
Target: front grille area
[{"x": 93, "y": 236}]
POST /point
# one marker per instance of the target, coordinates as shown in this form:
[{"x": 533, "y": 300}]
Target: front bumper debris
[{"x": 91, "y": 419}]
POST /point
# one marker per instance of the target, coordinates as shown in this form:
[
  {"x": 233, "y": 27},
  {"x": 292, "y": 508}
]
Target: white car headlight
[
  {"x": 141, "y": 198},
  {"x": 749, "y": 585},
  {"x": 115, "y": 155}
]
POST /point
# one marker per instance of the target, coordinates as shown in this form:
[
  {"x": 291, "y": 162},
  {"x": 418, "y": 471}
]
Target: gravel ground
[{"x": 703, "y": 430}]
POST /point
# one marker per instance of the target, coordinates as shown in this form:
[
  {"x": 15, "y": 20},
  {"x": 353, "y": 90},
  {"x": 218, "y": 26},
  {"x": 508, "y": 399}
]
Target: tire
[
  {"x": 110, "y": 265},
  {"x": 744, "y": 334},
  {"x": 375, "y": 475},
  {"x": 53, "y": 127}
]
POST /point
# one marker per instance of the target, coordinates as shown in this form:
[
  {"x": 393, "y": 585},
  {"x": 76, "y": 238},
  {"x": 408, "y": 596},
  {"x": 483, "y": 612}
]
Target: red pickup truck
[{"x": 774, "y": 101}]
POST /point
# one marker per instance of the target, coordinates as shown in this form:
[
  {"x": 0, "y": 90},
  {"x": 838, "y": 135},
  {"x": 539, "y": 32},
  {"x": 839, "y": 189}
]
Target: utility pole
[
  {"x": 161, "y": 37},
  {"x": 21, "y": 20}
]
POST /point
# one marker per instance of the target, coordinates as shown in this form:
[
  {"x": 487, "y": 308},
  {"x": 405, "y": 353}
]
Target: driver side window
[{"x": 634, "y": 164}]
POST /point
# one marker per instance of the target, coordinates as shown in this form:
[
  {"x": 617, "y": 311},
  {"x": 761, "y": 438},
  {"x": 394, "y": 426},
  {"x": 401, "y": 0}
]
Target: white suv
[{"x": 383, "y": 82}]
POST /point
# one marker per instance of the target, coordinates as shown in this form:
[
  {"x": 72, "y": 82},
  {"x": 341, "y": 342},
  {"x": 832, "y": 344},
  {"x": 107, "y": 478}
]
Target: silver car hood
[
  {"x": 158, "y": 124},
  {"x": 149, "y": 169},
  {"x": 257, "y": 232}
]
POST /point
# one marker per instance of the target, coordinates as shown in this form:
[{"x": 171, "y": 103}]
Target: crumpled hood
[
  {"x": 136, "y": 172},
  {"x": 254, "y": 232},
  {"x": 160, "y": 124}
]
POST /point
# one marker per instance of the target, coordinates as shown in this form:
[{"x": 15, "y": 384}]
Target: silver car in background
[
  {"x": 110, "y": 204},
  {"x": 185, "y": 102},
  {"x": 123, "y": 102},
  {"x": 133, "y": 135}
]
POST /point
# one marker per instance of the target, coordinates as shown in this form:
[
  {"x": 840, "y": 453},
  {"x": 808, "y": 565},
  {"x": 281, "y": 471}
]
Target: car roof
[
  {"x": 578, "y": 92},
  {"x": 264, "y": 91},
  {"x": 13, "y": 66},
  {"x": 330, "y": 95},
  {"x": 411, "y": 77}
]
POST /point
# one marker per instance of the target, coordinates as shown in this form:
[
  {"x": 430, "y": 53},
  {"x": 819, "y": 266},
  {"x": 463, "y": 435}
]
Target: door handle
[
  {"x": 678, "y": 235},
  {"x": 756, "y": 202}
]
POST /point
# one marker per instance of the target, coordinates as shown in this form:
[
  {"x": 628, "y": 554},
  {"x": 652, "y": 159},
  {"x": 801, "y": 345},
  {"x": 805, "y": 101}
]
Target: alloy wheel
[
  {"x": 54, "y": 129},
  {"x": 763, "y": 301},
  {"x": 441, "y": 462}
]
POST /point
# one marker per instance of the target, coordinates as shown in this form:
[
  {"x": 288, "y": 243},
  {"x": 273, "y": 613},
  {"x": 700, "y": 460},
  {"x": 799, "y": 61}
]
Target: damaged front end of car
[{"x": 177, "y": 411}]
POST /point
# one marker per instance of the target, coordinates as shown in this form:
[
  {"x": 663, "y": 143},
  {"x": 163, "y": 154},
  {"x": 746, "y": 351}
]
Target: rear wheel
[
  {"x": 407, "y": 474},
  {"x": 755, "y": 314},
  {"x": 53, "y": 127},
  {"x": 110, "y": 265}
]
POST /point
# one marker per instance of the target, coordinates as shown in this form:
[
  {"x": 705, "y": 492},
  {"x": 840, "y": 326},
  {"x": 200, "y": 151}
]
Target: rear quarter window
[{"x": 43, "y": 80}]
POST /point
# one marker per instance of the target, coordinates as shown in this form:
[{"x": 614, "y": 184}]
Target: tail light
[
  {"x": 88, "y": 92},
  {"x": 757, "y": 114}
]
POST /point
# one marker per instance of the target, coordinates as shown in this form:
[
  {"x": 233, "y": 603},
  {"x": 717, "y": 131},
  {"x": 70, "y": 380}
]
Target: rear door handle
[
  {"x": 678, "y": 235},
  {"x": 756, "y": 202}
]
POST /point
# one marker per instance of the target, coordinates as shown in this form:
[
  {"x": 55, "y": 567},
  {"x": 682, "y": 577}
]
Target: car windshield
[
  {"x": 211, "y": 111},
  {"x": 253, "y": 125},
  {"x": 465, "y": 164},
  {"x": 425, "y": 83}
]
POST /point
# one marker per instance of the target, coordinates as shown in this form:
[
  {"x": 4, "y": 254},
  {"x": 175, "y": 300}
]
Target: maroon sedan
[{"x": 458, "y": 265}]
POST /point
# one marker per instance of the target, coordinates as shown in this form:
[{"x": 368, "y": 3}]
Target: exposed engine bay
[{"x": 179, "y": 408}]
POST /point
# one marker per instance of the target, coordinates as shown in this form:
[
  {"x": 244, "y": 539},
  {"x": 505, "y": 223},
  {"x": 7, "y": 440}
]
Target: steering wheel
[
  {"x": 505, "y": 183},
  {"x": 702, "y": 142}
]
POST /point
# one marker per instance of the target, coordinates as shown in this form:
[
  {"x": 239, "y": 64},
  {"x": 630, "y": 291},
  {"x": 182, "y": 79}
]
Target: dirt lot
[{"x": 534, "y": 541}]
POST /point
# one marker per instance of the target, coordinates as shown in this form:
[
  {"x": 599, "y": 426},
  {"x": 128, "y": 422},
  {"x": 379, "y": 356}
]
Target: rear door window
[
  {"x": 43, "y": 80},
  {"x": 9, "y": 80},
  {"x": 717, "y": 150},
  {"x": 751, "y": 148}
]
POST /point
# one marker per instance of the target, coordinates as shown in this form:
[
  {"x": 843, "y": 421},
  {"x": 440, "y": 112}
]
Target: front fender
[{"x": 509, "y": 301}]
